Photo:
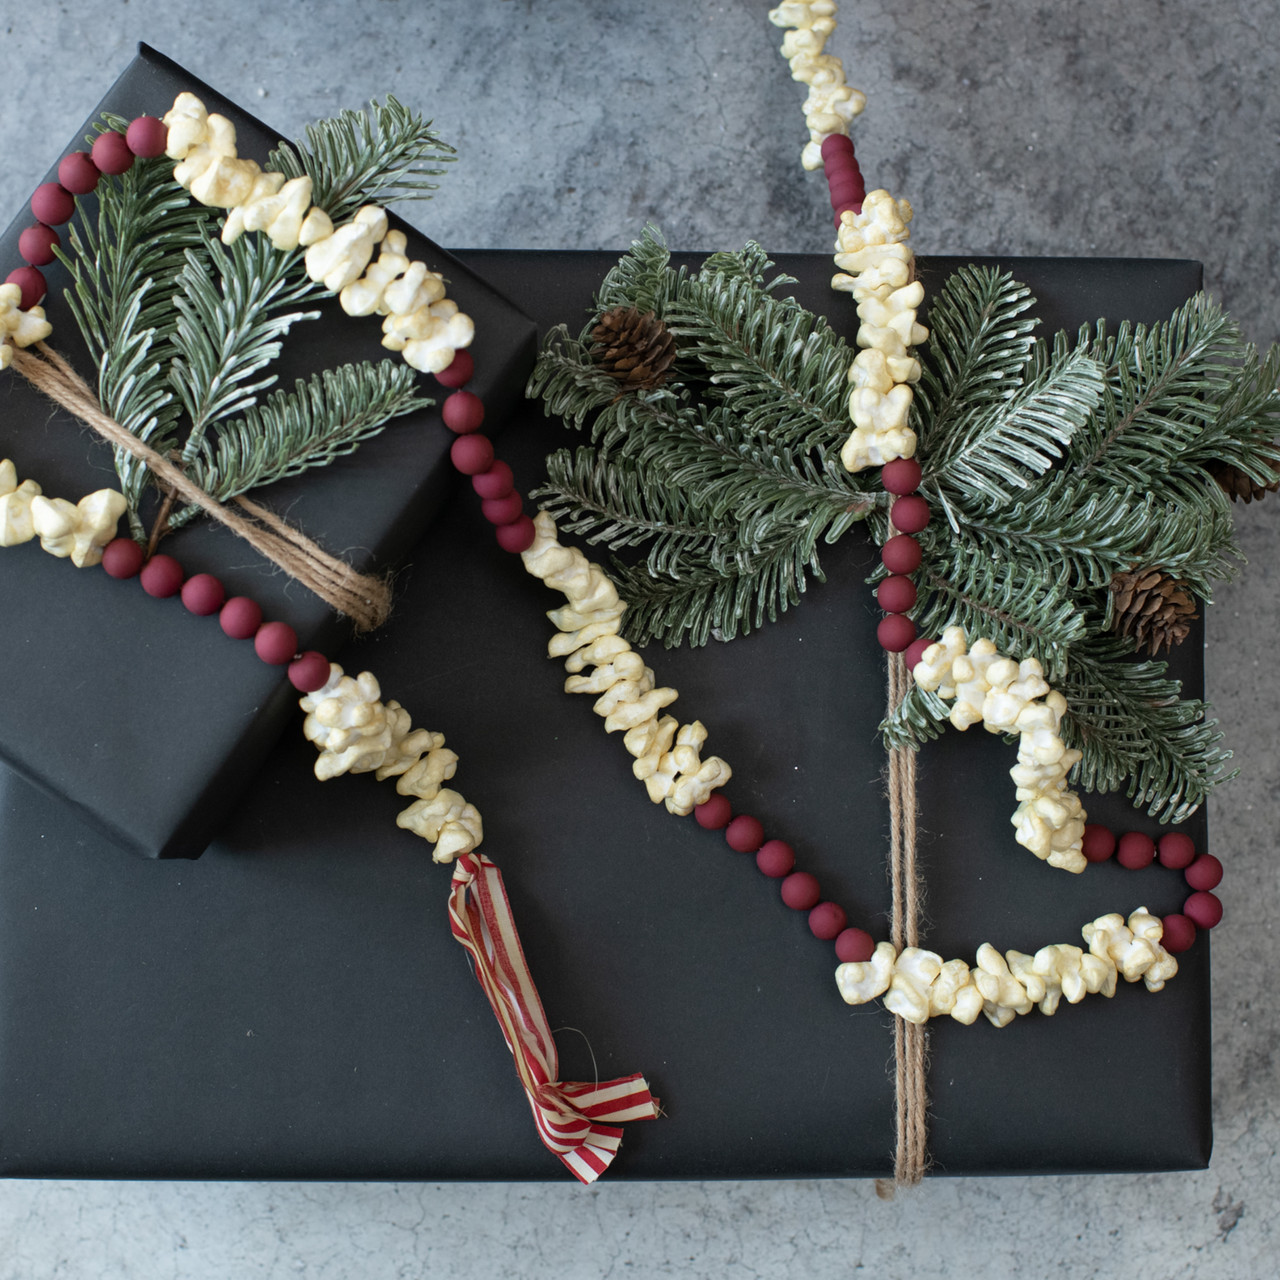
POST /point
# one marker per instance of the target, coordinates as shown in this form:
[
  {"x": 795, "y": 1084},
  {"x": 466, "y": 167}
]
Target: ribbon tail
[{"x": 576, "y": 1121}]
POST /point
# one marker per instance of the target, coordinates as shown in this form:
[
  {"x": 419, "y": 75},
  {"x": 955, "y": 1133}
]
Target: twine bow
[{"x": 575, "y": 1121}]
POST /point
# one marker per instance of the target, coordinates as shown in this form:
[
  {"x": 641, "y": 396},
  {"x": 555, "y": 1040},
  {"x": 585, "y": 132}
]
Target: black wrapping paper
[
  {"x": 292, "y": 1005},
  {"x": 145, "y": 719}
]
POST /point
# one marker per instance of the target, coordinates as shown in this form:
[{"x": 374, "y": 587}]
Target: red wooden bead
[
  {"x": 111, "y": 153},
  {"x": 910, "y": 513},
  {"x": 122, "y": 558},
  {"x": 776, "y": 859},
  {"x": 715, "y": 814},
  {"x": 744, "y": 833},
  {"x": 240, "y": 618},
  {"x": 1205, "y": 872},
  {"x": 503, "y": 510},
  {"x": 855, "y": 946},
  {"x": 837, "y": 144},
  {"x": 459, "y": 372},
  {"x": 463, "y": 412},
  {"x": 1176, "y": 850},
  {"x": 37, "y": 243},
  {"x": 896, "y": 594},
  {"x": 147, "y": 137},
  {"x": 517, "y": 536},
  {"x": 827, "y": 921},
  {"x": 800, "y": 891},
  {"x": 900, "y": 476},
  {"x": 203, "y": 595},
  {"x": 78, "y": 173},
  {"x": 1099, "y": 842},
  {"x": 915, "y": 651},
  {"x": 309, "y": 672},
  {"x": 901, "y": 554},
  {"x": 275, "y": 643},
  {"x": 844, "y": 190},
  {"x": 1203, "y": 909},
  {"x": 895, "y": 632},
  {"x": 1179, "y": 933},
  {"x": 497, "y": 482},
  {"x": 472, "y": 454},
  {"x": 161, "y": 577},
  {"x": 32, "y": 283},
  {"x": 1135, "y": 850},
  {"x": 52, "y": 204}
]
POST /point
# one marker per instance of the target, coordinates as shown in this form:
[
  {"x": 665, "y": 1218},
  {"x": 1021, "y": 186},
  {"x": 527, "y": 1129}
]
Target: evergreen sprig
[
  {"x": 1050, "y": 466},
  {"x": 184, "y": 329},
  {"x": 322, "y": 418},
  {"x": 722, "y": 476},
  {"x": 124, "y": 266},
  {"x": 381, "y": 155}
]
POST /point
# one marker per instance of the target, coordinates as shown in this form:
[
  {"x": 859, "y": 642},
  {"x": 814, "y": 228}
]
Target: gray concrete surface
[{"x": 1145, "y": 128}]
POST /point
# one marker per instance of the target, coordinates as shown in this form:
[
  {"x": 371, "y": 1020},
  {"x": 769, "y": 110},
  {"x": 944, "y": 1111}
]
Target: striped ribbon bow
[{"x": 573, "y": 1120}]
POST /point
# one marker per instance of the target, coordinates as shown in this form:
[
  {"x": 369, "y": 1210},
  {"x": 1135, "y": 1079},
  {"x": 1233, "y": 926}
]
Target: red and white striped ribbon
[{"x": 576, "y": 1121}]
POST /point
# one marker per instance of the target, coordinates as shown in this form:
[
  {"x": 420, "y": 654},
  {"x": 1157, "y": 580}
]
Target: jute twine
[
  {"x": 910, "y": 1157},
  {"x": 364, "y": 598}
]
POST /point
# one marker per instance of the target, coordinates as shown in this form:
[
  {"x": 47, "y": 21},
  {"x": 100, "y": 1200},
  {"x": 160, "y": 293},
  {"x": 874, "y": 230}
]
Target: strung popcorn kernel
[
  {"x": 990, "y": 689},
  {"x": 340, "y": 259},
  {"x": 19, "y": 328},
  {"x": 422, "y": 324},
  {"x": 15, "y": 506},
  {"x": 667, "y": 757},
  {"x": 356, "y": 732},
  {"x": 1006, "y": 986},
  {"x": 278, "y": 209},
  {"x": 77, "y": 530}
]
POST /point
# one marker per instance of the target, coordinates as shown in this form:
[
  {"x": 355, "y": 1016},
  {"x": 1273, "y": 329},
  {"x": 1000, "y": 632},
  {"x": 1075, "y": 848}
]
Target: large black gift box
[
  {"x": 292, "y": 1005},
  {"x": 145, "y": 719}
]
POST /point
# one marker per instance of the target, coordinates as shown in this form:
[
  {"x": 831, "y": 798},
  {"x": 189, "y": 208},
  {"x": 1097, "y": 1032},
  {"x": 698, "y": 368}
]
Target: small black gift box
[{"x": 146, "y": 719}]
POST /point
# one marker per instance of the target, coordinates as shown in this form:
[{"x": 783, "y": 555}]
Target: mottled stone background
[{"x": 1145, "y": 128}]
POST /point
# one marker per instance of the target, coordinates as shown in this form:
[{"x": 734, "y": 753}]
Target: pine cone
[
  {"x": 1153, "y": 607},
  {"x": 632, "y": 347},
  {"x": 1235, "y": 484}
]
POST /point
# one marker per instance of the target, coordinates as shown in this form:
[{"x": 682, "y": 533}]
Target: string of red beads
[
  {"x": 53, "y": 203},
  {"x": 1175, "y": 849},
  {"x": 800, "y": 890},
  {"x": 844, "y": 177}
]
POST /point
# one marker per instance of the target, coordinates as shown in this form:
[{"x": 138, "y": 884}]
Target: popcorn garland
[
  {"x": 1005, "y": 696},
  {"x": 424, "y": 326},
  {"x": 918, "y": 985},
  {"x": 871, "y": 243}
]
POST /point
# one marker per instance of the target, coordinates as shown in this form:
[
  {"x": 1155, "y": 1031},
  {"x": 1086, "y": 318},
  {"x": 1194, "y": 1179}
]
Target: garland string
[
  {"x": 910, "y": 1157},
  {"x": 364, "y": 598}
]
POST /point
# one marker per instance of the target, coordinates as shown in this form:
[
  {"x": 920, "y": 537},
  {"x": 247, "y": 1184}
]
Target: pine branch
[
  {"x": 979, "y": 345},
  {"x": 1162, "y": 385},
  {"x": 381, "y": 155},
  {"x": 716, "y": 603},
  {"x": 991, "y": 452},
  {"x": 999, "y": 600},
  {"x": 1137, "y": 731},
  {"x": 123, "y": 263},
  {"x": 323, "y": 418},
  {"x": 233, "y": 306},
  {"x": 642, "y": 278},
  {"x": 781, "y": 369}
]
